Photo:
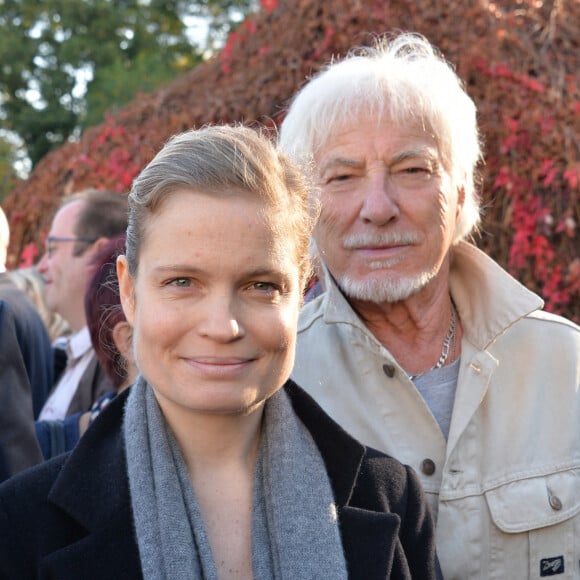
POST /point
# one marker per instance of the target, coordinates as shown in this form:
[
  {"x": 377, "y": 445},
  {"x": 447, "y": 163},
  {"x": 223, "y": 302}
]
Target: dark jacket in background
[
  {"x": 18, "y": 446},
  {"x": 33, "y": 340},
  {"x": 71, "y": 517}
]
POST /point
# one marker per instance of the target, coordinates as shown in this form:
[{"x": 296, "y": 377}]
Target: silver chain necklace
[{"x": 447, "y": 341}]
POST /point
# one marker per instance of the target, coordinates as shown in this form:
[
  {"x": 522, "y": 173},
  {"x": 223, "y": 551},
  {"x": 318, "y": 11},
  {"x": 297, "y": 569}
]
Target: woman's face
[{"x": 214, "y": 305}]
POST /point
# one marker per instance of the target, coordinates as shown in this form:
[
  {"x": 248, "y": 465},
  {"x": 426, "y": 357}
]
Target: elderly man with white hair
[{"x": 421, "y": 345}]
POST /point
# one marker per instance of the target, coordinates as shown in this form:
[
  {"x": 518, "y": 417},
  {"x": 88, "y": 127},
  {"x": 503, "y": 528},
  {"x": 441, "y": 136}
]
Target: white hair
[{"x": 406, "y": 80}]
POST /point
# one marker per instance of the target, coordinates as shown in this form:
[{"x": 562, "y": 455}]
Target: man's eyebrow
[
  {"x": 341, "y": 162},
  {"x": 416, "y": 153}
]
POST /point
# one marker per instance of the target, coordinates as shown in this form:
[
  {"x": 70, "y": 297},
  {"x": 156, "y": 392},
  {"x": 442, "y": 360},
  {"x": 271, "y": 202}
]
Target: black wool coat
[{"x": 71, "y": 517}]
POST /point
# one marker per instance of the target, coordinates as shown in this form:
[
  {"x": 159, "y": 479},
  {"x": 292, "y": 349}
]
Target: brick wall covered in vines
[{"x": 519, "y": 60}]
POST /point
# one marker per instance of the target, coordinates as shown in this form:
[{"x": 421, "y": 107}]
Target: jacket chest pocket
[{"x": 539, "y": 516}]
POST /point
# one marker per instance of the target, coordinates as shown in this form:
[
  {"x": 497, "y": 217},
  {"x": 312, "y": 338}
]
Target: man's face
[
  {"x": 66, "y": 275},
  {"x": 388, "y": 209}
]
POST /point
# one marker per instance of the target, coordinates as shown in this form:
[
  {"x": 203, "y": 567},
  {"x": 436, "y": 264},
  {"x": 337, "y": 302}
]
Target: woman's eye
[
  {"x": 265, "y": 286},
  {"x": 180, "y": 282},
  {"x": 267, "y": 290}
]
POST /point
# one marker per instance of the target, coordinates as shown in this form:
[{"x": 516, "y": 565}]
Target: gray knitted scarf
[{"x": 294, "y": 528}]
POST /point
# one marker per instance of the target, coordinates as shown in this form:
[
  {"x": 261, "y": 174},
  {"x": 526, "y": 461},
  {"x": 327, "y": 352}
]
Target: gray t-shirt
[{"x": 438, "y": 388}]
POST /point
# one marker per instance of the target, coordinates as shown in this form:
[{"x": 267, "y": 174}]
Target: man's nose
[
  {"x": 42, "y": 265},
  {"x": 380, "y": 204}
]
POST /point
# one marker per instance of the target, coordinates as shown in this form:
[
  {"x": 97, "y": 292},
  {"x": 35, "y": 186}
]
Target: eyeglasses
[{"x": 52, "y": 240}]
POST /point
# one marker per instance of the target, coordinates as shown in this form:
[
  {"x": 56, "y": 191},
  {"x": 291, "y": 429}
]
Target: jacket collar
[{"x": 489, "y": 300}]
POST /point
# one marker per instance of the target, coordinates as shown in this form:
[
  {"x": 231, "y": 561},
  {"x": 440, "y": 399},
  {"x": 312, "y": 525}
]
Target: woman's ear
[
  {"x": 122, "y": 335},
  {"x": 126, "y": 289},
  {"x": 123, "y": 339}
]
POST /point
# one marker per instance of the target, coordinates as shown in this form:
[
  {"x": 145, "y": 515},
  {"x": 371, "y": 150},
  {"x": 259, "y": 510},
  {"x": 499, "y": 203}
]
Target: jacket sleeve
[
  {"x": 15, "y": 560},
  {"x": 18, "y": 446}
]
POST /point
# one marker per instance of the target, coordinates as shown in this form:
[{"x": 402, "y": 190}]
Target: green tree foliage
[
  {"x": 8, "y": 176},
  {"x": 222, "y": 16},
  {"x": 119, "y": 48}
]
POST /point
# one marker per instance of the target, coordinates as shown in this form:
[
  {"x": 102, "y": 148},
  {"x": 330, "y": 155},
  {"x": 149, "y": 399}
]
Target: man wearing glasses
[{"x": 79, "y": 229}]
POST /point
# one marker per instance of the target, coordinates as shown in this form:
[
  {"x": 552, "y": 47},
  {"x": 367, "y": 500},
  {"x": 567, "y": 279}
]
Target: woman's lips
[{"x": 217, "y": 367}]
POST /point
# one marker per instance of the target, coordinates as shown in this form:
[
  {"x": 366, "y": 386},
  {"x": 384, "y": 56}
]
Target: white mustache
[{"x": 358, "y": 241}]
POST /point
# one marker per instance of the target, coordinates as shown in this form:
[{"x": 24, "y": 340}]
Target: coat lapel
[
  {"x": 89, "y": 505},
  {"x": 368, "y": 540}
]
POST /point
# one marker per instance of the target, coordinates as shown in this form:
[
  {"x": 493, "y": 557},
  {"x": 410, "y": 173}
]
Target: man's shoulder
[
  {"x": 555, "y": 322},
  {"x": 547, "y": 331},
  {"x": 15, "y": 298}
]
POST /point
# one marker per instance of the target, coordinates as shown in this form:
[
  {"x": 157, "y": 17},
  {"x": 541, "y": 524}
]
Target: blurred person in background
[
  {"x": 81, "y": 226},
  {"x": 31, "y": 283},
  {"x": 111, "y": 339},
  {"x": 18, "y": 446}
]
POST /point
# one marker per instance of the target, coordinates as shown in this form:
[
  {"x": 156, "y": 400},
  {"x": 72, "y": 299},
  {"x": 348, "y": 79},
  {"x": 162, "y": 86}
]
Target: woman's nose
[{"x": 220, "y": 322}]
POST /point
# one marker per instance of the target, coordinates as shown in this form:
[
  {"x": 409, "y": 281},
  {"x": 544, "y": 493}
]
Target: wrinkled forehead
[{"x": 377, "y": 132}]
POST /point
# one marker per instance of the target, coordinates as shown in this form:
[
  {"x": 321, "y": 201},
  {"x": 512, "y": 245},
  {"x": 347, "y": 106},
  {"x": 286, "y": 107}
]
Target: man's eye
[{"x": 340, "y": 177}]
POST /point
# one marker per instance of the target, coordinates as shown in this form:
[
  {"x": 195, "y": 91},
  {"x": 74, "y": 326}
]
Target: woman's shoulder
[
  {"x": 378, "y": 473},
  {"x": 24, "y": 494},
  {"x": 386, "y": 480}
]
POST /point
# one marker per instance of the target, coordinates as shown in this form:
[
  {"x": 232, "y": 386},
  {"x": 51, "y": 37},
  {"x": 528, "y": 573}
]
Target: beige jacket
[{"x": 505, "y": 487}]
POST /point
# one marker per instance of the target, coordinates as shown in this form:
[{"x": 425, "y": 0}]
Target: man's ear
[
  {"x": 126, "y": 289},
  {"x": 99, "y": 243}
]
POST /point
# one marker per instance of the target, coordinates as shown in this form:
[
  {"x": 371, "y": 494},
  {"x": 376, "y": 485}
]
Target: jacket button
[
  {"x": 389, "y": 370},
  {"x": 428, "y": 466},
  {"x": 555, "y": 503}
]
